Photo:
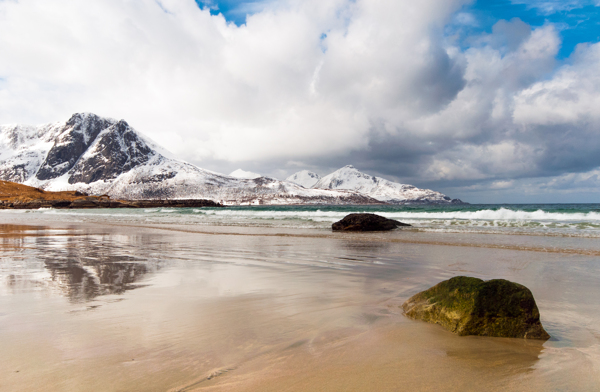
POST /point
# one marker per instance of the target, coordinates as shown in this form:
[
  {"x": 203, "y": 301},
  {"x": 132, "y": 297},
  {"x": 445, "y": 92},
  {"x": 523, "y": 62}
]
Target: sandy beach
[
  {"x": 288, "y": 195},
  {"x": 138, "y": 306}
]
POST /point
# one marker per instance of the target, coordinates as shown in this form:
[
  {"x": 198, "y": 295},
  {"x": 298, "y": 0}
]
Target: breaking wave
[
  {"x": 496, "y": 220},
  {"x": 488, "y": 214},
  {"x": 536, "y": 219}
]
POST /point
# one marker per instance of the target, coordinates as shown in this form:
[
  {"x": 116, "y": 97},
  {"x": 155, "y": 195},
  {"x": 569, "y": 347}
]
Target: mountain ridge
[
  {"x": 98, "y": 155},
  {"x": 349, "y": 178}
]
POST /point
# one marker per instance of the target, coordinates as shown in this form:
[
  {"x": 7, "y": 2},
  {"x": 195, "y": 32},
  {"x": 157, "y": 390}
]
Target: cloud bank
[{"x": 317, "y": 84}]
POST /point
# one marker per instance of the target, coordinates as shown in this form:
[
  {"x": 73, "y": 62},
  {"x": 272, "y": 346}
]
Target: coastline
[
  {"x": 559, "y": 243},
  {"x": 97, "y": 202},
  {"x": 271, "y": 308}
]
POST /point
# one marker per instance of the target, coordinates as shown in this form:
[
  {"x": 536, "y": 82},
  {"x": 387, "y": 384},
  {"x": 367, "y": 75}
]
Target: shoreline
[
  {"x": 90, "y": 202},
  {"x": 533, "y": 242},
  {"x": 97, "y": 202}
]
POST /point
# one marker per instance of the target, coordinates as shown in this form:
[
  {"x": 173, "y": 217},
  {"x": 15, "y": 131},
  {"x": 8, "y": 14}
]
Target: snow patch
[
  {"x": 304, "y": 178},
  {"x": 242, "y": 174}
]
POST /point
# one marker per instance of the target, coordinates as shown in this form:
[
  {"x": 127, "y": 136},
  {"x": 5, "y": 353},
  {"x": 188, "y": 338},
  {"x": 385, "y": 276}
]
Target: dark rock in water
[
  {"x": 366, "y": 222},
  {"x": 471, "y": 306}
]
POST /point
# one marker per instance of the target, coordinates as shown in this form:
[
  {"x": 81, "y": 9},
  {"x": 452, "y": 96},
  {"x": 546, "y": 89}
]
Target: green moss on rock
[{"x": 471, "y": 306}]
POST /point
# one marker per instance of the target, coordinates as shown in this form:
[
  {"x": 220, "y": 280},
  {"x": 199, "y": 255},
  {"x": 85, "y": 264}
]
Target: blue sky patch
[
  {"x": 233, "y": 10},
  {"x": 577, "y": 21}
]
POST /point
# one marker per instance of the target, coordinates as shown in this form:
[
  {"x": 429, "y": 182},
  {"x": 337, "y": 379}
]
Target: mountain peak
[
  {"x": 304, "y": 178},
  {"x": 83, "y": 118},
  {"x": 349, "y": 178},
  {"x": 73, "y": 140},
  {"x": 347, "y": 169}
]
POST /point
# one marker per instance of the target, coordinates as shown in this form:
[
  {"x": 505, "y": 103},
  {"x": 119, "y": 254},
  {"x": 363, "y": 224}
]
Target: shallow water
[
  {"x": 106, "y": 304},
  {"x": 563, "y": 220}
]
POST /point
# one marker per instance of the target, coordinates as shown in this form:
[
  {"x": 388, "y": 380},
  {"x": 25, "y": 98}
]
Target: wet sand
[{"x": 103, "y": 307}]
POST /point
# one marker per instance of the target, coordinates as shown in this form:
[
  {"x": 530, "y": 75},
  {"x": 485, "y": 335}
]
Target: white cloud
[
  {"x": 549, "y": 7},
  {"x": 303, "y": 80},
  {"x": 209, "y": 89},
  {"x": 466, "y": 19},
  {"x": 572, "y": 95}
]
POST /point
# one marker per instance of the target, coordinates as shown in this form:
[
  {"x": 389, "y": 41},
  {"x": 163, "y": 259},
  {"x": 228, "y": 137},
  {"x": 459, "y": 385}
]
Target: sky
[{"x": 487, "y": 101}]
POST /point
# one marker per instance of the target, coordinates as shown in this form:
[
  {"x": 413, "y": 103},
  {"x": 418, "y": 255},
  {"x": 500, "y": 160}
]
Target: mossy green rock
[{"x": 471, "y": 306}]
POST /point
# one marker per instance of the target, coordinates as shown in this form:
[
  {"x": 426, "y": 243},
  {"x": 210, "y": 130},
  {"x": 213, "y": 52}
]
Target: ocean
[{"x": 578, "y": 220}]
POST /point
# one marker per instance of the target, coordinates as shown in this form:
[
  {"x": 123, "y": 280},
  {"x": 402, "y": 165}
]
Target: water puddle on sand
[{"x": 108, "y": 308}]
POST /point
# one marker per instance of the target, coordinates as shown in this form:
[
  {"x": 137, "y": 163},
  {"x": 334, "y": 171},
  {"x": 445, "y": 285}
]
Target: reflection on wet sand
[
  {"x": 8, "y": 230},
  {"x": 105, "y": 308},
  {"x": 88, "y": 280},
  {"x": 79, "y": 266}
]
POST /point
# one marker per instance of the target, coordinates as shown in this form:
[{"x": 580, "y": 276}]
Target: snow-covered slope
[
  {"x": 239, "y": 173},
  {"x": 104, "y": 156},
  {"x": 305, "y": 178},
  {"x": 348, "y": 178},
  {"x": 99, "y": 155},
  {"x": 179, "y": 180},
  {"x": 23, "y": 150}
]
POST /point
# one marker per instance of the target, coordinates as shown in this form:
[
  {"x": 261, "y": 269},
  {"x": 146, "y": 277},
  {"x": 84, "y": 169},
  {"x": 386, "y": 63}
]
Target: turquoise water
[{"x": 537, "y": 219}]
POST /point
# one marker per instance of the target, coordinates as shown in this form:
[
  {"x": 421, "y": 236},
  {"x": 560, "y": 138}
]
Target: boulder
[
  {"x": 471, "y": 306},
  {"x": 366, "y": 222}
]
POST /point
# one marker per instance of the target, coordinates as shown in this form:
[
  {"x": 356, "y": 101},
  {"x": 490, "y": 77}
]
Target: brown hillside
[
  {"x": 13, "y": 192},
  {"x": 19, "y": 196}
]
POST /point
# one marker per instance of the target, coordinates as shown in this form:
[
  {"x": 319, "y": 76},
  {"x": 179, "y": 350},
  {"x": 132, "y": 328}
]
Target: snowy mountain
[
  {"x": 84, "y": 150},
  {"x": 348, "y": 178},
  {"x": 99, "y": 156},
  {"x": 239, "y": 173},
  {"x": 305, "y": 178}
]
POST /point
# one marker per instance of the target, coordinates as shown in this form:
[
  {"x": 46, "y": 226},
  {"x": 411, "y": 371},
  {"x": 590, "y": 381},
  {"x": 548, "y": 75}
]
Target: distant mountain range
[
  {"x": 99, "y": 156},
  {"x": 348, "y": 178}
]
